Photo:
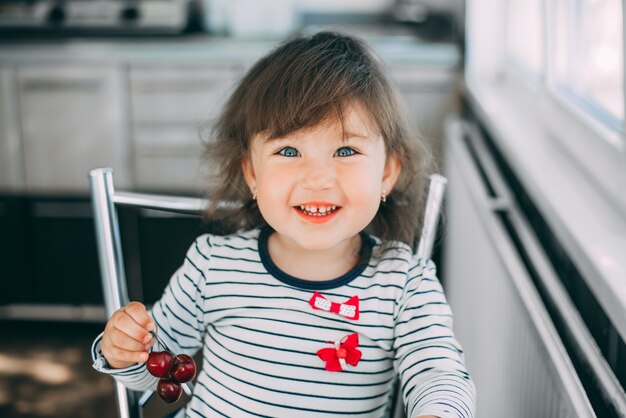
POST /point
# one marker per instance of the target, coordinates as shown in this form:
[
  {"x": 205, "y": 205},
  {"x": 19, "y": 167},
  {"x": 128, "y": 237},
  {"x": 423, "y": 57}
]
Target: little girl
[{"x": 310, "y": 301}]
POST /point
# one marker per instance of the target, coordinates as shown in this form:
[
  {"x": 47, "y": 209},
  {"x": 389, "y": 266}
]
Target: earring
[
  {"x": 254, "y": 194},
  {"x": 383, "y": 196}
]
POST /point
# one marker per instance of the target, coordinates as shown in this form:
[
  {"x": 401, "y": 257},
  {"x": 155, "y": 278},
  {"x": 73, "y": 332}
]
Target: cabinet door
[
  {"x": 171, "y": 107},
  {"x": 430, "y": 97},
  {"x": 16, "y": 281},
  {"x": 73, "y": 121},
  {"x": 11, "y": 159},
  {"x": 61, "y": 251},
  {"x": 178, "y": 94}
]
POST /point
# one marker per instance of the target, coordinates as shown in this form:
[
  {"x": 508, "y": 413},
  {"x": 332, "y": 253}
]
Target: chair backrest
[{"x": 104, "y": 201}]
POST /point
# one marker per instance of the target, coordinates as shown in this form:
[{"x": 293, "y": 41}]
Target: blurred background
[{"x": 522, "y": 102}]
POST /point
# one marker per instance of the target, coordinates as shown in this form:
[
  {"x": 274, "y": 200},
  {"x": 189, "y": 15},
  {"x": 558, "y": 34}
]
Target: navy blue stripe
[
  {"x": 319, "y": 411},
  {"x": 239, "y": 248},
  {"x": 294, "y": 364},
  {"x": 309, "y": 293},
  {"x": 223, "y": 257},
  {"x": 293, "y": 393},
  {"x": 439, "y": 337},
  {"x": 417, "y": 363},
  {"x": 441, "y": 375},
  {"x": 223, "y": 270},
  {"x": 451, "y": 406},
  {"x": 194, "y": 337},
  {"x": 401, "y": 337},
  {"x": 225, "y": 400},
  {"x": 282, "y": 377},
  {"x": 334, "y": 318},
  {"x": 430, "y": 392},
  {"x": 426, "y": 304},
  {"x": 413, "y": 318},
  {"x": 322, "y": 342},
  {"x": 200, "y": 252},
  {"x": 210, "y": 407}
]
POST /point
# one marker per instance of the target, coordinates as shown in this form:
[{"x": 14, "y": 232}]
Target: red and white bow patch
[
  {"x": 349, "y": 309},
  {"x": 342, "y": 352}
]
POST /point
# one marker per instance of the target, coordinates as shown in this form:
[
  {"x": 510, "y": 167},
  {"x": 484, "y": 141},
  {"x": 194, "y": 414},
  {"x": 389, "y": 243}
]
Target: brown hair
[{"x": 299, "y": 84}]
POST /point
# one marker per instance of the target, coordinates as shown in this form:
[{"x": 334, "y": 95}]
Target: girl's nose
[{"x": 319, "y": 175}]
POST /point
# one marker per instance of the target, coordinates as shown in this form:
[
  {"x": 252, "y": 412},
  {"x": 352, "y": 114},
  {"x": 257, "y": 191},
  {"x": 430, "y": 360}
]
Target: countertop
[{"x": 394, "y": 46}]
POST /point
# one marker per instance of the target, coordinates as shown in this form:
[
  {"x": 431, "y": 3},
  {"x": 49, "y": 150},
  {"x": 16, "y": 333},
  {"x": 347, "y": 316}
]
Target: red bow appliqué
[
  {"x": 349, "y": 309},
  {"x": 343, "y": 352}
]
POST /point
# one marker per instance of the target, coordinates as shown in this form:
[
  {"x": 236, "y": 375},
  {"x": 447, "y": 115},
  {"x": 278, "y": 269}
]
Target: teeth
[{"x": 317, "y": 211}]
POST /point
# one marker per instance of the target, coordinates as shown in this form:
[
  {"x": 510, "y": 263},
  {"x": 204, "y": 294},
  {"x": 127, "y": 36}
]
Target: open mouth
[{"x": 319, "y": 211}]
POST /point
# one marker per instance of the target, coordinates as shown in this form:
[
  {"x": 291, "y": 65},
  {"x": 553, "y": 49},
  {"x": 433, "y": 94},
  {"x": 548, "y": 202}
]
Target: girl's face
[{"x": 316, "y": 189}]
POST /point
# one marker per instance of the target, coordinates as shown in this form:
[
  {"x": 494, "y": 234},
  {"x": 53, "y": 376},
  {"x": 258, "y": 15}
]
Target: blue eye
[
  {"x": 345, "y": 152},
  {"x": 289, "y": 152}
]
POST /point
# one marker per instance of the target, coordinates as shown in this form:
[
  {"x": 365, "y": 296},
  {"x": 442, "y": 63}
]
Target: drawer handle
[{"x": 62, "y": 85}]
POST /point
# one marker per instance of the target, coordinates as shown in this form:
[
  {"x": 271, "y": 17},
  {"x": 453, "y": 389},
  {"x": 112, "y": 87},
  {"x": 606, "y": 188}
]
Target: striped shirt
[{"x": 259, "y": 335}]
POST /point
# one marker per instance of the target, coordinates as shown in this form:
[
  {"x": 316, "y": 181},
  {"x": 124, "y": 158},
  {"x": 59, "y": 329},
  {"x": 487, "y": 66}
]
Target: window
[
  {"x": 583, "y": 40},
  {"x": 545, "y": 79},
  {"x": 587, "y": 57},
  {"x": 563, "y": 61},
  {"x": 525, "y": 37}
]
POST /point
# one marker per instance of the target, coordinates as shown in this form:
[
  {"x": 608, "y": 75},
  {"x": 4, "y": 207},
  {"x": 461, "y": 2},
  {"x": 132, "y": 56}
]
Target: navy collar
[{"x": 365, "y": 254}]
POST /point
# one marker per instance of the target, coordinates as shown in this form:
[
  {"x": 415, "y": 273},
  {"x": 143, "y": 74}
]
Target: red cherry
[
  {"x": 159, "y": 363},
  {"x": 169, "y": 390},
  {"x": 184, "y": 368}
]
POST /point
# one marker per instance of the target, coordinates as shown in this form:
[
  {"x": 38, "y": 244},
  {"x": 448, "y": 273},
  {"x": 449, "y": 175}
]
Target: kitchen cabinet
[
  {"x": 430, "y": 96},
  {"x": 73, "y": 120},
  {"x": 48, "y": 252},
  {"x": 61, "y": 252},
  {"x": 142, "y": 107},
  {"x": 171, "y": 106},
  {"x": 11, "y": 157},
  {"x": 16, "y": 283}
]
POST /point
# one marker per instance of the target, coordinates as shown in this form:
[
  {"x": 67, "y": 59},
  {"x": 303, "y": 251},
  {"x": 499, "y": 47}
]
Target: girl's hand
[{"x": 126, "y": 339}]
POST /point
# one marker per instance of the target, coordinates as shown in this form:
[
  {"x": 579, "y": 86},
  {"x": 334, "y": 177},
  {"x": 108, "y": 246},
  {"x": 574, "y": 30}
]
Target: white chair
[{"x": 104, "y": 200}]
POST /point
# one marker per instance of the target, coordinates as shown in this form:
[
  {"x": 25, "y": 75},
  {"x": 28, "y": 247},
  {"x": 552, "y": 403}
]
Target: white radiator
[{"x": 512, "y": 349}]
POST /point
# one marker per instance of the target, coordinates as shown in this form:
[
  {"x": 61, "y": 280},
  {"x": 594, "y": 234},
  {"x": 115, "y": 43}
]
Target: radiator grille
[{"x": 512, "y": 349}]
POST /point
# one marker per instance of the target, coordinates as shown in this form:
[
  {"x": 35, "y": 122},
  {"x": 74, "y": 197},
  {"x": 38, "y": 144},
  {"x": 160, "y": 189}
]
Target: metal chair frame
[{"x": 104, "y": 200}]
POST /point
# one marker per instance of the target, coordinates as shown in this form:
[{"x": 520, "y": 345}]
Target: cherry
[
  {"x": 171, "y": 370},
  {"x": 184, "y": 368},
  {"x": 159, "y": 363},
  {"x": 169, "y": 390}
]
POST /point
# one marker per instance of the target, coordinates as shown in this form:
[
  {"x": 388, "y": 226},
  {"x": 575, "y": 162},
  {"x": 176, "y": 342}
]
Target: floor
[{"x": 45, "y": 371}]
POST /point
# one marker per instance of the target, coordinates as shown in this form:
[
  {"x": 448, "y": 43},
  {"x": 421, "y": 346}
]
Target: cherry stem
[
  {"x": 160, "y": 341},
  {"x": 187, "y": 386}
]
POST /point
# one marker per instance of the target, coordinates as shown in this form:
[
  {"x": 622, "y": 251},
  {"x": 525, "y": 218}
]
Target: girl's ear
[
  {"x": 248, "y": 172},
  {"x": 391, "y": 172}
]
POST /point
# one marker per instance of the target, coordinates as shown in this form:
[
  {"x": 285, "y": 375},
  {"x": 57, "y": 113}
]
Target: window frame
[
  {"x": 584, "y": 197},
  {"x": 597, "y": 148}
]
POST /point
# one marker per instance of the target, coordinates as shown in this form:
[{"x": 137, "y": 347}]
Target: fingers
[
  {"x": 126, "y": 324},
  {"x": 121, "y": 340},
  {"x": 123, "y": 355},
  {"x": 120, "y": 358},
  {"x": 140, "y": 315},
  {"x": 126, "y": 339}
]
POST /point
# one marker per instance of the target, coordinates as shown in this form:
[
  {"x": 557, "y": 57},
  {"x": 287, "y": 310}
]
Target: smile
[
  {"x": 313, "y": 210},
  {"x": 317, "y": 212}
]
